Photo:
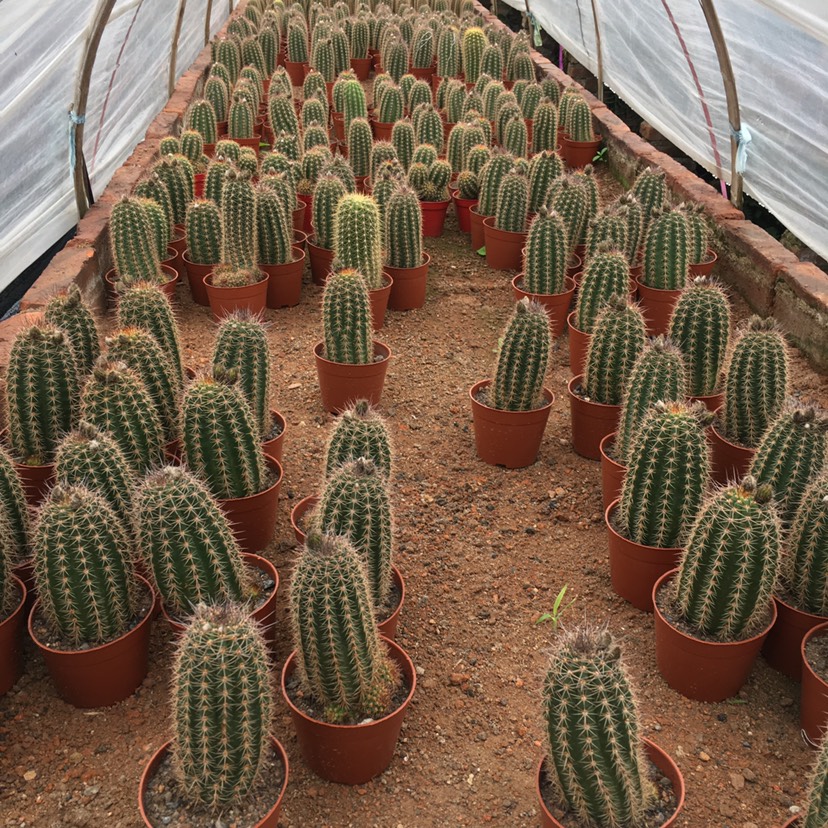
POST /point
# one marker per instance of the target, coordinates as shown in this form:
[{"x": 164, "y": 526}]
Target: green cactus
[
  {"x": 473, "y": 45},
  {"x": 468, "y": 185},
  {"x": 516, "y": 138},
  {"x": 404, "y": 229},
  {"x": 522, "y": 360},
  {"x": 699, "y": 231},
  {"x": 545, "y": 256},
  {"x": 341, "y": 82},
  {"x": 388, "y": 180},
  {"x": 756, "y": 382},
  {"x": 650, "y": 189},
  {"x": 507, "y": 111},
  {"x": 322, "y": 59},
  {"x": 253, "y": 56},
  {"x": 222, "y": 706},
  {"x": 269, "y": 46},
  {"x": 382, "y": 152},
  {"x": 340, "y": 661},
  {"x": 204, "y": 232},
  {"x": 728, "y": 570},
  {"x": 589, "y": 182},
  {"x": 219, "y": 70},
  {"x": 240, "y": 118},
  {"x": 428, "y": 127},
  {"x": 202, "y": 115},
  {"x": 297, "y": 42},
  {"x": 169, "y": 145},
  {"x": 227, "y": 52},
  {"x": 229, "y": 276},
  {"x": 491, "y": 63},
  {"x": 522, "y": 67},
  {"x": 42, "y": 392},
  {"x": 218, "y": 96},
  {"x": 159, "y": 225},
  {"x": 177, "y": 173},
  {"x": 238, "y": 210},
  {"x": 448, "y": 52},
  {"x": 10, "y": 596},
  {"x": 359, "y": 36},
  {"x": 132, "y": 241},
  {"x": 422, "y": 48},
  {"x": 214, "y": 182},
  {"x": 805, "y": 567},
  {"x": 455, "y": 98},
  {"x": 326, "y": 196},
  {"x": 84, "y": 577},
  {"x": 490, "y": 96},
  {"x": 346, "y": 319},
  {"x": 491, "y": 177},
  {"x": 424, "y": 154},
  {"x": 816, "y": 808},
  {"x": 68, "y": 312},
  {"x": 192, "y": 147},
  {"x": 313, "y": 136},
  {"x": 569, "y": 96},
  {"x": 282, "y": 114},
  {"x": 403, "y": 139},
  {"x": 342, "y": 50},
  {"x": 313, "y": 162},
  {"x": 512, "y": 203},
  {"x": 228, "y": 150},
  {"x": 456, "y": 148},
  {"x": 314, "y": 112},
  {"x": 579, "y": 121},
  {"x": 531, "y": 100},
  {"x": 477, "y": 157},
  {"x": 700, "y": 327},
  {"x": 610, "y": 228},
  {"x": 357, "y": 232},
  {"x": 359, "y": 146},
  {"x": 353, "y": 102},
  {"x": 634, "y": 214},
  {"x": 359, "y": 432},
  {"x": 420, "y": 93},
  {"x": 390, "y": 108},
  {"x": 14, "y": 510},
  {"x": 313, "y": 86},
  {"x": 666, "y": 251},
  {"x": 153, "y": 187},
  {"x": 545, "y": 127},
  {"x": 395, "y": 59},
  {"x": 569, "y": 199},
  {"x": 274, "y": 227},
  {"x": 618, "y": 338}
]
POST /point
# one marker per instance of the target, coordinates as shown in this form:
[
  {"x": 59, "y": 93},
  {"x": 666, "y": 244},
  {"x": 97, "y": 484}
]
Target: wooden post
[
  {"x": 182, "y": 5},
  {"x": 600, "y": 56},
  {"x": 207, "y": 18}
]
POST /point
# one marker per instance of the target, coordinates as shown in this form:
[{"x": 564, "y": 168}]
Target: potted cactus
[
  {"x": 422, "y": 54},
  {"x": 448, "y": 56},
  {"x": 544, "y": 278},
  {"x": 326, "y": 196},
  {"x": 406, "y": 261},
  {"x": 360, "y": 140},
  {"x": 510, "y": 411},
  {"x": 222, "y": 755},
  {"x": 203, "y": 229},
  {"x": 359, "y": 37},
  {"x": 491, "y": 175},
  {"x": 702, "y": 258},
  {"x": 278, "y": 258},
  {"x": 343, "y": 681},
  {"x": 92, "y": 619},
  {"x": 389, "y": 107},
  {"x": 580, "y": 143},
  {"x": 13, "y": 594},
  {"x": 465, "y": 195},
  {"x": 473, "y": 45},
  {"x": 713, "y": 613},
  {"x": 297, "y": 62},
  {"x": 68, "y": 312},
  {"x": 349, "y": 363},
  {"x": 431, "y": 181},
  {"x": 599, "y": 770},
  {"x": 505, "y": 233}
]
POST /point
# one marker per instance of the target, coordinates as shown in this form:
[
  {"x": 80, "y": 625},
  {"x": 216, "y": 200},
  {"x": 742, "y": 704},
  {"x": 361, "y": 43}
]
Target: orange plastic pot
[
  {"x": 578, "y": 154},
  {"x": 174, "y": 261},
  {"x": 340, "y": 383},
  {"x": 730, "y": 461},
  {"x": 782, "y": 649},
  {"x": 705, "y": 268},
  {"x": 508, "y": 438},
  {"x": 274, "y": 447},
  {"x": 284, "y": 281},
  {"x": 660, "y": 758},
  {"x": 269, "y": 820},
  {"x": 299, "y": 216},
  {"x": 11, "y": 640},
  {"x": 461, "y": 209},
  {"x": 657, "y": 307},
  {"x": 195, "y": 278},
  {"x": 168, "y": 287},
  {"x": 477, "y": 239},
  {"x": 104, "y": 675},
  {"x": 813, "y": 708},
  {"x": 612, "y": 473},
  {"x": 362, "y": 67},
  {"x": 712, "y": 402},
  {"x": 425, "y": 73},
  {"x": 379, "y": 301},
  {"x": 36, "y": 481},
  {"x": 297, "y": 516},
  {"x": 296, "y": 71},
  {"x": 556, "y": 304},
  {"x": 321, "y": 260},
  {"x": 307, "y": 224},
  {"x": 434, "y": 217},
  {"x": 350, "y": 754},
  {"x": 635, "y": 567},
  {"x": 578, "y": 346},
  {"x": 382, "y": 130},
  {"x": 504, "y": 249},
  {"x": 226, "y": 300},
  {"x": 591, "y": 421},
  {"x": 708, "y": 671},
  {"x": 408, "y": 290}
]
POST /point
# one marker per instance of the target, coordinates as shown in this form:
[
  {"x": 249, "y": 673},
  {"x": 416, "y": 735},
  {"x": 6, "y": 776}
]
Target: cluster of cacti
[
  {"x": 512, "y": 206},
  {"x": 403, "y": 228},
  {"x": 357, "y": 237},
  {"x": 607, "y": 274},
  {"x": 545, "y": 255},
  {"x": 346, "y": 319},
  {"x": 666, "y": 251},
  {"x": 359, "y": 432},
  {"x": 68, "y": 312},
  {"x": 578, "y": 124}
]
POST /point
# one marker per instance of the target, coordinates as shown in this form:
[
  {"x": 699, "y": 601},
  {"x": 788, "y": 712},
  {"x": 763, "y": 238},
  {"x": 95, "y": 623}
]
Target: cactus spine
[
  {"x": 68, "y": 312},
  {"x": 666, "y": 251},
  {"x": 346, "y": 319},
  {"x": 357, "y": 237},
  {"x": 359, "y": 432},
  {"x": 404, "y": 229},
  {"x": 805, "y": 567}
]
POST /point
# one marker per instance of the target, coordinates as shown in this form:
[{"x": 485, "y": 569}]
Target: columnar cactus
[
  {"x": 132, "y": 241},
  {"x": 202, "y": 116},
  {"x": 357, "y": 237},
  {"x": 473, "y": 45},
  {"x": 274, "y": 227},
  {"x": 282, "y": 114},
  {"x": 522, "y": 360},
  {"x": 359, "y": 146},
  {"x": 610, "y": 228},
  {"x": 153, "y": 187},
  {"x": 530, "y": 100},
  {"x": 477, "y": 157},
  {"x": 544, "y": 167},
  {"x": 359, "y": 36},
  {"x": 204, "y": 232},
  {"x": 159, "y": 225},
  {"x": 314, "y": 111},
  {"x": 455, "y": 100},
  {"x": 805, "y": 567},
  {"x": 227, "y": 52},
  {"x": 403, "y": 139},
  {"x": 297, "y": 41},
  {"x": 569, "y": 199},
  {"x": 588, "y": 180},
  {"x": 346, "y": 319},
  {"x": 756, "y": 382},
  {"x": 634, "y": 214},
  {"x": 390, "y": 107},
  {"x": 491, "y": 63},
  {"x": 512, "y": 203},
  {"x": 15, "y": 510},
  {"x": 238, "y": 210},
  {"x": 422, "y": 48},
  {"x": 570, "y": 94},
  {"x": 579, "y": 121},
  {"x": 214, "y": 181},
  {"x": 516, "y": 138},
  {"x": 218, "y": 96},
  {"x": 650, "y": 189},
  {"x": 116, "y": 400},
  {"x": 428, "y": 127},
  {"x": 177, "y": 173},
  {"x": 252, "y": 55},
  {"x": 491, "y": 177},
  {"x": 339, "y": 166},
  {"x": 404, "y": 229},
  {"x": 42, "y": 392},
  {"x": 219, "y": 70},
  {"x": 192, "y": 147},
  {"x": 395, "y": 59},
  {"x": 269, "y": 45},
  {"x": 666, "y": 251},
  {"x": 699, "y": 231},
  {"x": 82, "y": 567},
  {"x": 322, "y": 59},
  {"x": 595, "y": 761},
  {"x": 340, "y": 659},
  {"x": 448, "y": 52},
  {"x": 327, "y": 194},
  {"x": 545, "y": 128},
  {"x": 222, "y": 706},
  {"x": 468, "y": 185},
  {"x": 545, "y": 256},
  {"x": 228, "y": 150},
  {"x": 381, "y": 152},
  {"x": 68, "y": 312},
  {"x": 617, "y": 340},
  {"x": 360, "y": 431},
  {"x": 240, "y": 118},
  {"x": 729, "y": 566},
  {"x": 313, "y": 136},
  {"x": 342, "y": 50},
  {"x": 387, "y": 181},
  {"x": 522, "y": 67},
  {"x": 490, "y": 96}
]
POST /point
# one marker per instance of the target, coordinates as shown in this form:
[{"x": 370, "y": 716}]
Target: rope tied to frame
[
  {"x": 536, "y": 30},
  {"x": 76, "y": 120},
  {"x": 743, "y": 138}
]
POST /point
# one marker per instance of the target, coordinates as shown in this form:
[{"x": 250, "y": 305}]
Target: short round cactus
[{"x": 360, "y": 431}]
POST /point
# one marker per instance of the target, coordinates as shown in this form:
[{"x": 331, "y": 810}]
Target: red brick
[
  {"x": 167, "y": 123},
  {"x": 801, "y": 306},
  {"x": 71, "y": 265},
  {"x": 9, "y": 329}
]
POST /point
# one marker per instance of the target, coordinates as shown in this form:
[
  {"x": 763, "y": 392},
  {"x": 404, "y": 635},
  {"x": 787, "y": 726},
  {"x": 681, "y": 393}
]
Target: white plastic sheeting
[
  {"x": 41, "y": 51},
  {"x": 659, "y": 57}
]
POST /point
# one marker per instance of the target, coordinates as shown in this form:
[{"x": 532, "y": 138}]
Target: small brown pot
[
  {"x": 299, "y": 216},
  {"x": 578, "y": 154},
  {"x": 307, "y": 200},
  {"x": 174, "y": 261},
  {"x": 783, "y": 645},
  {"x": 297, "y": 516},
  {"x": 461, "y": 209},
  {"x": 556, "y": 304},
  {"x": 253, "y": 518},
  {"x": 709, "y": 671},
  {"x": 730, "y": 460},
  {"x": 578, "y": 346},
  {"x": 341, "y": 384},
  {"x": 379, "y": 301},
  {"x": 269, "y": 820},
  {"x": 36, "y": 481},
  {"x": 275, "y": 446},
  {"x": 813, "y": 708},
  {"x": 321, "y": 260},
  {"x": 508, "y": 438},
  {"x": 712, "y": 402},
  {"x": 705, "y": 268},
  {"x": 350, "y": 754},
  {"x": 635, "y": 567},
  {"x": 434, "y": 217},
  {"x": 297, "y": 71},
  {"x": 25, "y": 571},
  {"x": 11, "y": 641},
  {"x": 104, "y": 675},
  {"x": 423, "y": 73},
  {"x": 408, "y": 289},
  {"x": 382, "y": 131},
  {"x": 612, "y": 472},
  {"x": 338, "y": 121},
  {"x": 657, "y": 307},
  {"x": 226, "y": 300},
  {"x": 168, "y": 287},
  {"x": 362, "y": 67},
  {"x": 284, "y": 281},
  {"x": 476, "y": 238},
  {"x": 660, "y": 758},
  {"x": 591, "y": 421},
  {"x": 195, "y": 278},
  {"x": 504, "y": 249}
]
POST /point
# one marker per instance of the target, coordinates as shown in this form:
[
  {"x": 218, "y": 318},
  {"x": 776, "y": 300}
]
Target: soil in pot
[
  {"x": 783, "y": 646},
  {"x": 408, "y": 290},
  {"x": 341, "y": 383},
  {"x": 556, "y": 304},
  {"x": 591, "y": 421},
  {"x": 11, "y": 639},
  {"x": 813, "y": 709},
  {"x": 504, "y": 249}
]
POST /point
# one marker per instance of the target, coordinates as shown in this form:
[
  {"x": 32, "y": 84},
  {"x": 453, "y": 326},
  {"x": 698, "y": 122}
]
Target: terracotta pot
[
  {"x": 307, "y": 200},
  {"x": 578, "y": 154},
  {"x": 657, "y": 307},
  {"x": 575, "y": 269},
  {"x": 174, "y": 261},
  {"x": 791, "y": 822},
  {"x": 224, "y": 301},
  {"x": 341, "y": 384},
  {"x": 199, "y": 180},
  {"x": 350, "y": 754},
  {"x": 253, "y": 142},
  {"x": 25, "y": 571},
  {"x": 299, "y": 216},
  {"x": 274, "y": 447},
  {"x": 362, "y": 67},
  {"x": 635, "y": 567},
  {"x": 662, "y": 760},
  {"x": 423, "y": 73},
  {"x": 329, "y": 91},
  {"x": 36, "y": 481},
  {"x": 434, "y": 217},
  {"x": 636, "y": 270},
  {"x": 504, "y": 249},
  {"x": 408, "y": 290},
  {"x": 11, "y": 641},
  {"x": 284, "y": 281},
  {"x": 168, "y": 287},
  {"x": 320, "y": 261},
  {"x": 253, "y": 518},
  {"x": 338, "y": 120},
  {"x": 269, "y": 820},
  {"x": 178, "y": 242},
  {"x": 813, "y": 708},
  {"x": 104, "y": 675},
  {"x": 783, "y": 645},
  {"x": 612, "y": 472},
  {"x": 461, "y": 209},
  {"x": 591, "y": 421},
  {"x": 508, "y": 438},
  {"x": 382, "y": 130},
  {"x": 730, "y": 460},
  {"x": 705, "y": 268},
  {"x": 300, "y": 240},
  {"x": 556, "y": 304},
  {"x": 578, "y": 346},
  {"x": 712, "y": 402},
  {"x": 379, "y": 301},
  {"x": 361, "y": 184},
  {"x": 709, "y": 671},
  {"x": 195, "y": 278},
  {"x": 477, "y": 239},
  {"x": 297, "y": 516},
  {"x": 296, "y": 71}
]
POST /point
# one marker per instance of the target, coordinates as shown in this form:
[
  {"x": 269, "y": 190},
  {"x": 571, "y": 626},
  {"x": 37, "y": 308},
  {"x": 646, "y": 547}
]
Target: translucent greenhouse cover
[
  {"x": 42, "y": 47},
  {"x": 659, "y": 57}
]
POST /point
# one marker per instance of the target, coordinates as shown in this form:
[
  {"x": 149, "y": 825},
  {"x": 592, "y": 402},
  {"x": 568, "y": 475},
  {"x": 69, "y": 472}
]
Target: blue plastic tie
[
  {"x": 743, "y": 138},
  {"x": 76, "y": 120}
]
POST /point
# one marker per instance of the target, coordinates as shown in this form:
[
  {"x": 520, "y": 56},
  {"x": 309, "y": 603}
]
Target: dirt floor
[{"x": 484, "y": 552}]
